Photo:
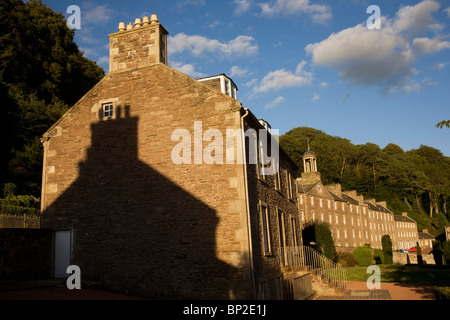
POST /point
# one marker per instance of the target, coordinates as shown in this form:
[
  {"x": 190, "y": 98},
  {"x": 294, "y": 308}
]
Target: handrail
[{"x": 315, "y": 262}]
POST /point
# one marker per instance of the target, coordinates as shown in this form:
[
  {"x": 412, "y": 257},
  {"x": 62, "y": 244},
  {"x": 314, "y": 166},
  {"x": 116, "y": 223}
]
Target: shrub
[
  {"x": 386, "y": 244},
  {"x": 419, "y": 254},
  {"x": 378, "y": 255},
  {"x": 437, "y": 252},
  {"x": 347, "y": 259},
  {"x": 363, "y": 256},
  {"x": 447, "y": 252},
  {"x": 320, "y": 233},
  {"x": 442, "y": 293}
]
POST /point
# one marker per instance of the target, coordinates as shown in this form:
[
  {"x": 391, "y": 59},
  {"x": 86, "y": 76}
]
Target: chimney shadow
[{"x": 134, "y": 229}]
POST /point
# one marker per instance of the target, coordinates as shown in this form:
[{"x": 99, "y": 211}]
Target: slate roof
[
  {"x": 347, "y": 198},
  {"x": 401, "y": 218},
  {"x": 425, "y": 235}
]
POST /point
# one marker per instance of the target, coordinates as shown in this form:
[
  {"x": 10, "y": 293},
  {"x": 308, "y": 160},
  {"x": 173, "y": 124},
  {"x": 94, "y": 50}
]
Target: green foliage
[
  {"x": 378, "y": 256},
  {"x": 42, "y": 73},
  {"x": 363, "y": 256},
  {"x": 320, "y": 233},
  {"x": 442, "y": 293},
  {"x": 419, "y": 254},
  {"x": 346, "y": 259},
  {"x": 17, "y": 205},
  {"x": 9, "y": 190},
  {"x": 437, "y": 252},
  {"x": 386, "y": 244},
  {"x": 446, "y": 252}
]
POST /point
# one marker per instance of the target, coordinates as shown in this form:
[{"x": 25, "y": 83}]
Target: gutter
[{"x": 249, "y": 228}]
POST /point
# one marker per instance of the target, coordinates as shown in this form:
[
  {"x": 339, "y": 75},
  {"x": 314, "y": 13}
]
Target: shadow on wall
[{"x": 126, "y": 216}]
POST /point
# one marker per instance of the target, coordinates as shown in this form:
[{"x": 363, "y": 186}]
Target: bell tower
[{"x": 310, "y": 173}]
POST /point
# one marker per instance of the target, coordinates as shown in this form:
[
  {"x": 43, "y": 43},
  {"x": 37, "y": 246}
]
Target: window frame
[{"x": 265, "y": 226}]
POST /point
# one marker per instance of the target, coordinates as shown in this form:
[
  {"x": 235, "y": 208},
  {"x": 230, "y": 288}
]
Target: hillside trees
[{"x": 42, "y": 73}]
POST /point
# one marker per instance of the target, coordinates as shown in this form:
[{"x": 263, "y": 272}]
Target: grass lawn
[{"x": 429, "y": 274}]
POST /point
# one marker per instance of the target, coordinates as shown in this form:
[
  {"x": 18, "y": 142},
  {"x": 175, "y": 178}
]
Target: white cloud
[
  {"x": 315, "y": 97},
  {"x": 440, "y": 65},
  {"x": 91, "y": 15},
  {"x": 318, "y": 13},
  {"x": 237, "y": 71},
  {"x": 103, "y": 60},
  {"x": 198, "y": 45},
  {"x": 413, "y": 20},
  {"x": 241, "y": 6},
  {"x": 280, "y": 79},
  {"x": 427, "y": 45},
  {"x": 324, "y": 84},
  {"x": 448, "y": 12},
  {"x": 188, "y": 69},
  {"x": 251, "y": 83},
  {"x": 275, "y": 102},
  {"x": 384, "y": 57},
  {"x": 428, "y": 82}
]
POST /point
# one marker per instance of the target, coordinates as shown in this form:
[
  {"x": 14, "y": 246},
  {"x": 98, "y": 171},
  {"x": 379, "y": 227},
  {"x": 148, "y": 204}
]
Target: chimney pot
[
  {"x": 122, "y": 26},
  {"x": 154, "y": 18},
  {"x": 145, "y": 21},
  {"x": 129, "y": 26},
  {"x": 137, "y": 23}
]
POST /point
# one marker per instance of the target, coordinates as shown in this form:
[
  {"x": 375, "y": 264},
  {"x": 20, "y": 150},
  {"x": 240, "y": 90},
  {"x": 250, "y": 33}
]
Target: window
[
  {"x": 320, "y": 202},
  {"x": 312, "y": 201},
  {"x": 277, "y": 176},
  {"x": 303, "y": 215},
  {"x": 265, "y": 228},
  {"x": 108, "y": 110},
  {"x": 301, "y": 199},
  {"x": 260, "y": 162},
  {"x": 281, "y": 230},
  {"x": 289, "y": 182},
  {"x": 294, "y": 232}
]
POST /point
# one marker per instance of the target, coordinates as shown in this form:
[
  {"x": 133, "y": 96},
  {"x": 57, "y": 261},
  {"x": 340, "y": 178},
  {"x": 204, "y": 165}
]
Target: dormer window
[{"x": 222, "y": 83}]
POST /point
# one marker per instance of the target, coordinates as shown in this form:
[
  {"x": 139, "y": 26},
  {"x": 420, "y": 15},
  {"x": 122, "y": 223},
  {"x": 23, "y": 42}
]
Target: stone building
[
  {"x": 353, "y": 220},
  {"x": 426, "y": 239},
  {"x": 406, "y": 229},
  {"x": 140, "y": 189}
]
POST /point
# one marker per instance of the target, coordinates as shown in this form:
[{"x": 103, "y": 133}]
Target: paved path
[{"x": 387, "y": 291}]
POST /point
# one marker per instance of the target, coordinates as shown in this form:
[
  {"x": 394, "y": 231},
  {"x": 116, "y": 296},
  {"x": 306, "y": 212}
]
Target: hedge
[
  {"x": 363, "y": 255},
  {"x": 442, "y": 293}
]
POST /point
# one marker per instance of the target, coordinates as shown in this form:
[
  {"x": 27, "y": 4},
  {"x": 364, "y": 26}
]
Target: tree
[
  {"x": 386, "y": 244},
  {"x": 443, "y": 123},
  {"x": 42, "y": 73}
]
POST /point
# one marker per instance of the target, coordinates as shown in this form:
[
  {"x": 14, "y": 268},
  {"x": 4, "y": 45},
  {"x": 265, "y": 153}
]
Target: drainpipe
[{"x": 249, "y": 229}]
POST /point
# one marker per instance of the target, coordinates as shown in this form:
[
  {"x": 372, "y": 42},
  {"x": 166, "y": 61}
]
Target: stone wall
[
  {"x": 411, "y": 258},
  {"x": 25, "y": 254}
]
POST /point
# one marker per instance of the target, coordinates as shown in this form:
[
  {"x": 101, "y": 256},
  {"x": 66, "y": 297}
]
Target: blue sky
[{"x": 306, "y": 62}]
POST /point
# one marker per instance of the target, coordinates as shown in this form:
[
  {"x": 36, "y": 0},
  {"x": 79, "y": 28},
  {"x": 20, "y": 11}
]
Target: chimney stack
[{"x": 138, "y": 45}]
